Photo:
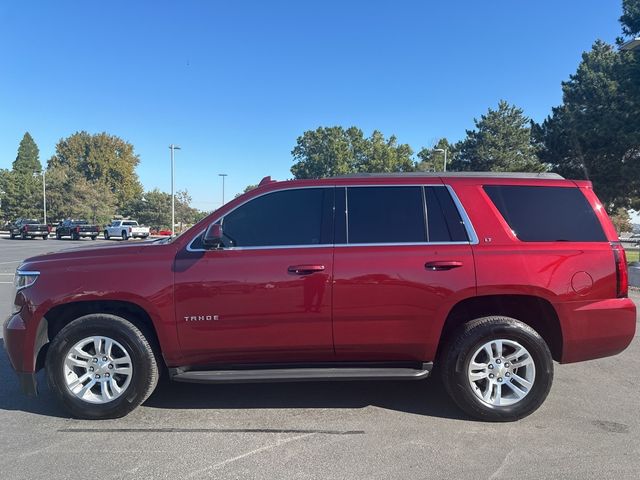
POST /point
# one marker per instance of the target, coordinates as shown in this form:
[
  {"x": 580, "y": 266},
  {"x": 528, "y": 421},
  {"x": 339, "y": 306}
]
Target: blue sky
[{"x": 235, "y": 83}]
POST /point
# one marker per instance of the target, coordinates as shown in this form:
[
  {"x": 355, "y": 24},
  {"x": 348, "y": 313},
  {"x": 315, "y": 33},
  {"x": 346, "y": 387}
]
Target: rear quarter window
[{"x": 546, "y": 214}]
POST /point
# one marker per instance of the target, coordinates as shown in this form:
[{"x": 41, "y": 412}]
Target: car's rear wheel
[
  {"x": 24, "y": 235},
  {"x": 75, "y": 236},
  {"x": 497, "y": 369},
  {"x": 45, "y": 237},
  {"x": 124, "y": 235},
  {"x": 101, "y": 366},
  {"x": 106, "y": 235}
]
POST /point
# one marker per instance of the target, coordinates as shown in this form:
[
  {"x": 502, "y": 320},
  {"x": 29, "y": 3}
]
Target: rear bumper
[{"x": 596, "y": 329}]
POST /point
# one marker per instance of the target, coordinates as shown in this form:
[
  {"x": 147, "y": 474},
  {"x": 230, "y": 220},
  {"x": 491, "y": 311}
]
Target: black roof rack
[{"x": 546, "y": 175}]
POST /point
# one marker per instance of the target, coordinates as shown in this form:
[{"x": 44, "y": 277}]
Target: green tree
[
  {"x": 154, "y": 209},
  {"x": 102, "y": 159},
  {"x": 622, "y": 221},
  {"x": 70, "y": 195},
  {"x": 22, "y": 186},
  {"x": 331, "y": 151},
  {"x": 432, "y": 160},
  {"x": 630, "y": 18},
  {"x": 595, "y": 133},
  {"x": 501, "y": 142},
  {"x": 27, "y": 161}
]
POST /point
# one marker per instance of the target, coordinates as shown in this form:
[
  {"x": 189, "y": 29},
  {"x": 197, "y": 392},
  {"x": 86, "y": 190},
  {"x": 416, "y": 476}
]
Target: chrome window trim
[
  {"x": 284, "y": 189},
  {"x": 471, "y": 233}
]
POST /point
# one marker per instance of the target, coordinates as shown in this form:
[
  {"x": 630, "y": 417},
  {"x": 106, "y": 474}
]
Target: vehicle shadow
[
  {"x": 424, "y": 397},
  {"x": 12, "y": 398}
]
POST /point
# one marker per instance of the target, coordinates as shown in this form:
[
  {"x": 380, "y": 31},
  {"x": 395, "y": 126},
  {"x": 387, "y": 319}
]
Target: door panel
[
  {"x": 250, "y": 306},
  {"x": 389, "y": 306}
]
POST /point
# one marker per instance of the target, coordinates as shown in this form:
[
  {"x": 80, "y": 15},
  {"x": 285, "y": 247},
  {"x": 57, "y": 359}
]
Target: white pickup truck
[{"x": 125, "y": 229}]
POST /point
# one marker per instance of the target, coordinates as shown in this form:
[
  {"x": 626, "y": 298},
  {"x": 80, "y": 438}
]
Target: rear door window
[
  {"x": 445, "y": 224},
  {"x": 385, "y": 215},
  {"x": 546, "y": 214}
]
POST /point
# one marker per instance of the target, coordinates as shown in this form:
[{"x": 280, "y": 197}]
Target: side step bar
[{"x": 301, "y": 374}]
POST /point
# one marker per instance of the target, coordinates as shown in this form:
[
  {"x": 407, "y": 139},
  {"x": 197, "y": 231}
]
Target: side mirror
[{"x": 213, "y": 237}]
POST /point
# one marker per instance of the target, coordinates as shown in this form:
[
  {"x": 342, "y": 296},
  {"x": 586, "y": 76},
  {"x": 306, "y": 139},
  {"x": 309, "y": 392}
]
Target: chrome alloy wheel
[
  {"x": 97, "y": 369},
  {"x": 501, "y": 372}
]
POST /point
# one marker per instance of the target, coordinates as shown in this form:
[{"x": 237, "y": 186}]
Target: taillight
[
  {"x": 77, "y": 229},
  {"x": 129, "y": 229},
  {"x": 622, "y": 274},
  {"x": 48, "y": 229}
]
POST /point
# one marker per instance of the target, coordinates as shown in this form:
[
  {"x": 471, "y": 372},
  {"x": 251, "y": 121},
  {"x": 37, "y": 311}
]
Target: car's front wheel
[
  {"x": 497, "y": 369},
  {"x": 101, "y": 366}
]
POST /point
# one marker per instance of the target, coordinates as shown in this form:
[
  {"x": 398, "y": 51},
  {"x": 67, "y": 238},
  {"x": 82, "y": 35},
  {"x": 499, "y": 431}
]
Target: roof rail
[
  {"x": 266, "y": 180},
  {"x": 547, "y": 175}
]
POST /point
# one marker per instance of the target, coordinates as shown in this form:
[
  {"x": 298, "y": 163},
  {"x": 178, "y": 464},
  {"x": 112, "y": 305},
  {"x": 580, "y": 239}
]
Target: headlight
[{"x": 22, "y": 280}]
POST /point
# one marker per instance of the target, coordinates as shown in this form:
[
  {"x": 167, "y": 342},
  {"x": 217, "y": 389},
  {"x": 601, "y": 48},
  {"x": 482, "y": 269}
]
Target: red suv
[{"x": 487, "y": 277}]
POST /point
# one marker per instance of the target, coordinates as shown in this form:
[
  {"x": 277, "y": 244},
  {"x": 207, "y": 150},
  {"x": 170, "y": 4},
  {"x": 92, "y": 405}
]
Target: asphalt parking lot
[{"x": 589, "y": 426}]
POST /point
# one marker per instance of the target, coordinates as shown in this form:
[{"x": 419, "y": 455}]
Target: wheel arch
[
  {"x": 532, "y": 310},
  {"x": 61, "y": 315}
]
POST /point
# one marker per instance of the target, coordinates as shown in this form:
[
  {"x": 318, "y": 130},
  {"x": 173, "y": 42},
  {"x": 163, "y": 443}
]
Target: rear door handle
[
  {"x": 442, "y": 265},
  {"x": 305, "y": 269}
]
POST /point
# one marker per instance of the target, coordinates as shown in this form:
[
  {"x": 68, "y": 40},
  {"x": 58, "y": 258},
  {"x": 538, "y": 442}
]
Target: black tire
[
  {"x": 93, "y": 237},
  {"x": 106, "y": 235},
  {"x": 75, "y": 236},
  {"x": 11, "y": 236},
  {"x": 45, "y": 237},
  {"x": 124, "y": 235},
  {"x": 23, "y": 235},
  {"x": 457, "y": 355},
  {"x": 144, "y": 362},
  {"x": 58, "y": 236}
]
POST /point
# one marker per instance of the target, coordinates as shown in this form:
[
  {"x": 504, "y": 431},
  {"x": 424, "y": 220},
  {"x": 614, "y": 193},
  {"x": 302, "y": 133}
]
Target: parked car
[
  {"x": 28, "y": 228},
  {"x": 77, "y": 229},
  {"x": 489, "y": 277},
  {"x": 125, "y": 229}
]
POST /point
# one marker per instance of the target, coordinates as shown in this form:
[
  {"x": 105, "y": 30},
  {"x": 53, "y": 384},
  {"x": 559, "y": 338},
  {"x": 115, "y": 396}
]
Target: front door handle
[
  {"x": 305, "y": 269},
  {"x": 442, "y": 265}
]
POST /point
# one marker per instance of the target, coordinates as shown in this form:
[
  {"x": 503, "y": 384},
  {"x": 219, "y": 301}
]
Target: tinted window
[
  {"x": 130, "y": 223},
  {"x": 291, "y": 217},
  {"x": 546, "y": 214},
  {"x": 445, "y": 224},
  {"x": 385, "y": 215}
]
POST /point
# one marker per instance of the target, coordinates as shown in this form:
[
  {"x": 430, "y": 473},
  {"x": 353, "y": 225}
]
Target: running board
[{"x": 301, "y": 374}]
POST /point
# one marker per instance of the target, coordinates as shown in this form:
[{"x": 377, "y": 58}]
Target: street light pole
[
  {"x": 442, "y": 150},
  {"x": 223, "y": 175},
  {"x": 44, "y": 193},
  {"x": 173, "y": 147},
  {"x": 44, "y": 196}
]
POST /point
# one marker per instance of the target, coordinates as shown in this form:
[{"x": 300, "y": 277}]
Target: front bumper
[
  {"x": 23, "y": 346},
  {"x": 14, "y": 334}
]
